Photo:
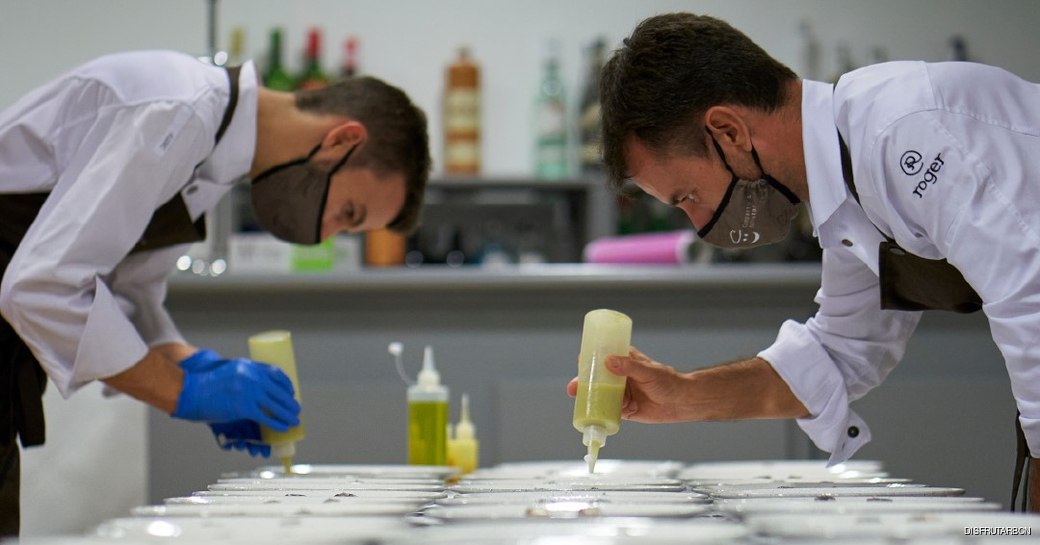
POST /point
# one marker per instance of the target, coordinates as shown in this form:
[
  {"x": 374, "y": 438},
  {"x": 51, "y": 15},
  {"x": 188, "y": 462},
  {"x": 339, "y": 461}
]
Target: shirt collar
[{"x": 827, "y": 189}]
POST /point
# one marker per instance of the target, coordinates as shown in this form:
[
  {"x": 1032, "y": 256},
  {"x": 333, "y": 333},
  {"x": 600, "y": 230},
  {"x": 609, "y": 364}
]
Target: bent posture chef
[{"x": 105, "y": 174}]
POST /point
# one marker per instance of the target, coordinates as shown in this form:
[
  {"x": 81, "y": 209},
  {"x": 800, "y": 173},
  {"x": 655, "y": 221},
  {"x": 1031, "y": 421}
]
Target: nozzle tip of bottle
[{"x": 592, "y": 456}]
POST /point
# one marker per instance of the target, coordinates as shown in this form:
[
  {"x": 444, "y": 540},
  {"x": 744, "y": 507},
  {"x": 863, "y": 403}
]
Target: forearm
[
  {"x": 748, "y": 389},
  {"x": 155, "y": 380}
]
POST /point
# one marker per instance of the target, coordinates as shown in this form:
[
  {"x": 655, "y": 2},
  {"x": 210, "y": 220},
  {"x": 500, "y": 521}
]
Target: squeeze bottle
[
  {"x": 597, "y": 407},
  {"x": 275, "y": 347},
  {"x": 428, "y": 416},
  {"x": 463, "y": 448}
]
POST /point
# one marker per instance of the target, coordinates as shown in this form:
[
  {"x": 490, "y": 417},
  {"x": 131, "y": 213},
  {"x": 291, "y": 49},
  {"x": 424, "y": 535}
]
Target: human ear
[
  {"x": 345, "y": 135},
  {"x": 728, "y": 127}
]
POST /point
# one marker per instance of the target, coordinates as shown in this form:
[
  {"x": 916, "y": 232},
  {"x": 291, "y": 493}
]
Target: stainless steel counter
[{"x": 541, "y": 277}]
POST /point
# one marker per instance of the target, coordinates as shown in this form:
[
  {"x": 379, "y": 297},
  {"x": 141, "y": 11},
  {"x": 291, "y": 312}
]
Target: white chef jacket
[
  {"x": 946, "y": 160},
  {"x": 111, "y": 141}
]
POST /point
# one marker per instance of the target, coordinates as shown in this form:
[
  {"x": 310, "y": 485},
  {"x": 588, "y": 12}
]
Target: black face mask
[
  {"x": 752, "y": 213},
  {"x": 289, "y": 199}
]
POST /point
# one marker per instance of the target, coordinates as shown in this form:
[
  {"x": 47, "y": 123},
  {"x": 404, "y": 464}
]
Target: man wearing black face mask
[
  {"x": 105, "y": 175},
  {"x": 919, "y": 179}
]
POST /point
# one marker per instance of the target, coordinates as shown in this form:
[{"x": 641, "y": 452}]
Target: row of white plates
[{"x": 545, "y": 503}]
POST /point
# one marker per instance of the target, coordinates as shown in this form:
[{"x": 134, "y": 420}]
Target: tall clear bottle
[
  {"x": 590, "y": 121},
  {"x": 551, "y": 160},
  {"x": 462, "y": 116},
  {"x": 597, "y": 407},
  {"x": 275, "y": 348},
  {"x": 350, "y": 67},
  {"x": 428, "y": 416}
]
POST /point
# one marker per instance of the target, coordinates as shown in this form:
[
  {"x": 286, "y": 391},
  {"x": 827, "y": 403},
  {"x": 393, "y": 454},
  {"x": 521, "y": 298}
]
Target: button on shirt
[
  {"x": 111, "y": 141},
  {"x": 946, "y": 160}
]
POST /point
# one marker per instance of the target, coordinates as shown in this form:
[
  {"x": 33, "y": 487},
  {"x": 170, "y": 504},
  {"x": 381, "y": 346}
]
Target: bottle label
[
  {"x": 462, "y": 110},
  {"x": 462, "y": 154}
]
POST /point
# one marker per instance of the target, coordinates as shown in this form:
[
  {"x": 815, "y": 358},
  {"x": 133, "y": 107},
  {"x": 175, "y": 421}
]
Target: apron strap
[
  {"x": 1020, "y": 483},
  {"x": 229, "y": 112}
]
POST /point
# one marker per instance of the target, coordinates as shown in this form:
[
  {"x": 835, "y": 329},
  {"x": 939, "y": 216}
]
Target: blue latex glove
[
  {"x": 229, "y": 390},
  {"x": 237, "y": 434},
  {"x": 202, "y": 360},
  {"x": 240, "y": 435}
]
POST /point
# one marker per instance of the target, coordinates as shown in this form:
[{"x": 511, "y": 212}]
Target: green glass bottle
[{"x": 276, "y": 77}]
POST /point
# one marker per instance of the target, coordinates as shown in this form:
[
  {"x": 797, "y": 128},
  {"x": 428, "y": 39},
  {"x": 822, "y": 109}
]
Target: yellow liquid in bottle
[
  {"x": 427, "y": 440},
  {"x": 598, "y": 404},
  {"x": 275, "y": 348}
]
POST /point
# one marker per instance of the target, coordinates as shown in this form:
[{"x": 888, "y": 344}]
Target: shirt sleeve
[
  {"x": 140, "y": 282},
  {"x": 841, "y": 353},
  {"x": 57, "y": 292}
]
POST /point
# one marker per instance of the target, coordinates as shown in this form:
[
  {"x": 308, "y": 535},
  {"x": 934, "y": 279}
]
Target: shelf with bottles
[{"x": 503, "y": 220}]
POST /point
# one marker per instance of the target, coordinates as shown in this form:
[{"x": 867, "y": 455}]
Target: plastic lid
[
  {"x": 429, "y": 377},
  {"x": 464, "y": 429},
  {"x": 594, "y": 434}
]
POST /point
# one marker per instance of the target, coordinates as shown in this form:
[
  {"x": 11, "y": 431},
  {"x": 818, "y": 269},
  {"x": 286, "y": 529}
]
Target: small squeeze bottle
[
  {"x": 275, "y": 348},
  {"x": 597, "y": 407},
  {"x": 463, "y": 448},
  {"x": 428, "y": 416}
]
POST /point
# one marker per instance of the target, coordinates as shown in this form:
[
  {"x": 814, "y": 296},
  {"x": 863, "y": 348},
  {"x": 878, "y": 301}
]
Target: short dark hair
[
  {"x": 397, "y": 136},
  {"x": 669, "y": 72}
]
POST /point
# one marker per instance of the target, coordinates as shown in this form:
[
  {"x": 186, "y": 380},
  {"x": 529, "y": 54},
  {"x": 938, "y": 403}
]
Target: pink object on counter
[{"x": 650, "y": 248}]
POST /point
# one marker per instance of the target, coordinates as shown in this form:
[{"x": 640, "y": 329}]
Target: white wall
[{"x": 408, "y": 43}]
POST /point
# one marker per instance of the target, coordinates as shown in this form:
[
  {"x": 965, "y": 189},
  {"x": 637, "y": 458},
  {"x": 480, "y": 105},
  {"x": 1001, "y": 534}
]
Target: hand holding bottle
[
  {"x": 653, "y": 391},
  {"x": 222, "y": 390}
]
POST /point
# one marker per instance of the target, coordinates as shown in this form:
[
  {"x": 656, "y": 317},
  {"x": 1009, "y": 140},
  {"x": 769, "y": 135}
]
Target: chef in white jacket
[
  {"x": 105, "y": 175},
  {"x": 921, "y": 181}
]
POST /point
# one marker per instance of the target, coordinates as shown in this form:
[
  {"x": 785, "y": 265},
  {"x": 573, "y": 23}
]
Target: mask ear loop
[
  {"x": 328, "y": 183},
  {"x": 703, "y": 232},
  {"x": 773, "y": 181},
  {"x": 267, "y": 173}
]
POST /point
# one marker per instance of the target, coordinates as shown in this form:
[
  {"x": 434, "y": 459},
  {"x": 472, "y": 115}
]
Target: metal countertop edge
[{"x": 519, "y": 277}]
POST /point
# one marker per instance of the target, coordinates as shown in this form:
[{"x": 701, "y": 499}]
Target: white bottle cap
[
  {"x": 429, "y": 377},
  {"x": 285, "y": 450},
  {"x": 464, "y": 429},
  {"x": 594, "y": 434}
]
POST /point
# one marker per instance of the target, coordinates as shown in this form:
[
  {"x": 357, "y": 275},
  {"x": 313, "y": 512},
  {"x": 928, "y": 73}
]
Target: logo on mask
[
  {"x": 740, "y": 237},
  {"x": 910, "y": 162}
]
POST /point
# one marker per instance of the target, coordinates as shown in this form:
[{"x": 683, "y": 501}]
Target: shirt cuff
[
  {"x": 110, "y": 343},
  {"x": 808, "y": 370}
]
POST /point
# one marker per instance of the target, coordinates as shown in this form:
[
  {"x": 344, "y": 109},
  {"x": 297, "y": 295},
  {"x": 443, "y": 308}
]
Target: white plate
[
  {"x": 766, "y": 506},
  {"x": 889, "y": 525},
  {"x": 580, "y": 532},
  {"x": 541, "y": 496},
  {"x": 310, "y": 530},
  {"x": 308, "y": 482},
  {"x": 292, "y": 500},
  {"x": 565, "y": 510},
  {"x": 352, "y": 470},
  {"x": 803, "y": 482},
  {"x": 592, "y": 482},
  {"x": 354, "y": 493},
  {"x": 841, "y": 491},
  {"x": 325, "y": 509},
  {"x": 780, "y": 470},
  {"x": 321, "y": 485},
  {"x": 577, "y": 468}
]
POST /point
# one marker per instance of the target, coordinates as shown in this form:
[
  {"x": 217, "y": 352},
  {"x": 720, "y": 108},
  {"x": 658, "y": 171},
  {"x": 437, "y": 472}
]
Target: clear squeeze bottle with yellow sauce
[
  {"x": 275, "y": 347},
  {"x": 428, "y": 416},
  {"x": 597, "y": 407},
  {"x": 463, "y": 447}
]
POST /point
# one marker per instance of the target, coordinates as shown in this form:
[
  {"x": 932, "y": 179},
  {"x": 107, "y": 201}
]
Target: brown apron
[
  {"x": 910, "y": 282},
  {"x": 22, "y": 380}
]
